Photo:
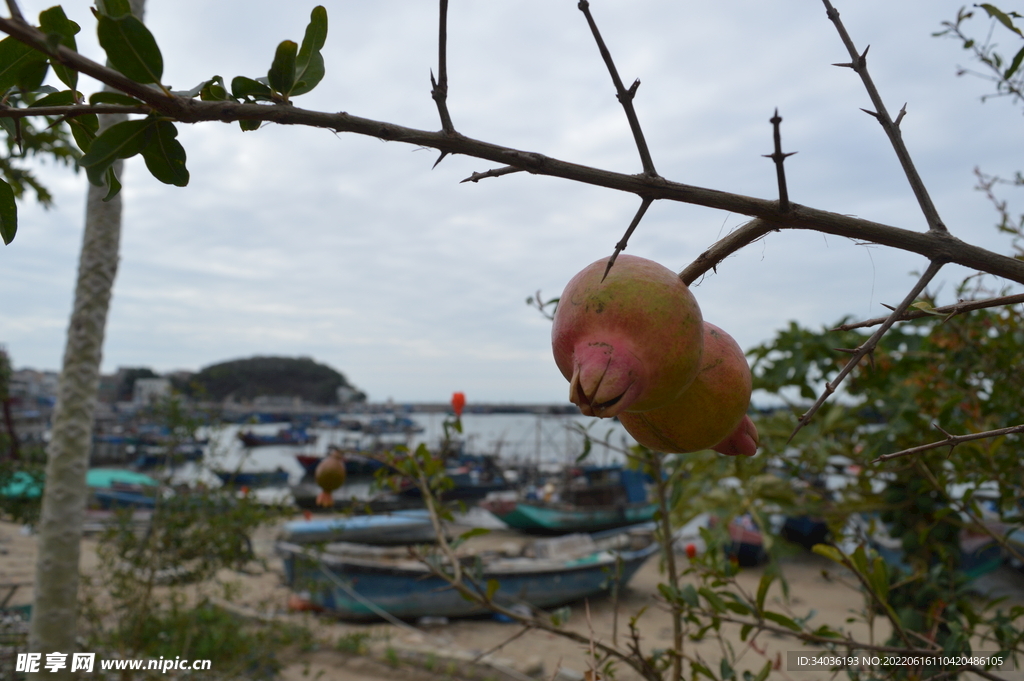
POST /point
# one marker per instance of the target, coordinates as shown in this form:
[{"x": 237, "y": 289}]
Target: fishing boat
[
  {"x": 473, "y": 477},
  {"x": 401, "y": 527},
  {"x": 113, "y": 488},
  {"x": 589, "y": 499},
  {"x": 275, "y": 478},
  {"x": 284, "y": 436},
  {"x": 356, "y": 465},
  {"x": 394, "y": 424},
  {"x": 363, "y": 583}
]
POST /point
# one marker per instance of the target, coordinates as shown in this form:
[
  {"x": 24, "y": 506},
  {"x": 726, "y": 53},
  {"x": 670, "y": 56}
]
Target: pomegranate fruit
[
  {"x": 631, "y": 340},
  {"x": 742, "y": 441},
  {"x": 329, "y": 475},
  {"x": 708, "y": 411}
]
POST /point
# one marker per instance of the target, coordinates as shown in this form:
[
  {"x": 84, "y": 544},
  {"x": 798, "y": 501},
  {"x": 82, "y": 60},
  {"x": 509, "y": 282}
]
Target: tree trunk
[{"x": 55, "y": 610}]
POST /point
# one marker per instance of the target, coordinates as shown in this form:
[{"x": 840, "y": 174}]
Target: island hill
[{"x": 256, "y": 379}]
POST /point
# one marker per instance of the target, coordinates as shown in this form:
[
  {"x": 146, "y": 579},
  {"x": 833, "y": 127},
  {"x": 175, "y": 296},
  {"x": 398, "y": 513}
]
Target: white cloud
[{"x": 355, "y": 252}]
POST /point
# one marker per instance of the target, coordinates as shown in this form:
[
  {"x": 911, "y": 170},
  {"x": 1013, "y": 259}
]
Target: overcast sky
[{"x": 355, "y": 252}]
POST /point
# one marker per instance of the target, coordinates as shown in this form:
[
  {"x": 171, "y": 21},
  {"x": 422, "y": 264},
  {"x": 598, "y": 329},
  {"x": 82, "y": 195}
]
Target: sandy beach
[{"x": 418, "y": 651}]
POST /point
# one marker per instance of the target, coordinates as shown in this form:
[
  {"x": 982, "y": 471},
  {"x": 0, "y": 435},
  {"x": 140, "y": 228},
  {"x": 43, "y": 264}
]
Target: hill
[{"x": 245, "y": 379}]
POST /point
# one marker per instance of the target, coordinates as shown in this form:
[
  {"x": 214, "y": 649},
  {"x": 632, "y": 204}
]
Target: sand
[{"x": 408, "y": 653}]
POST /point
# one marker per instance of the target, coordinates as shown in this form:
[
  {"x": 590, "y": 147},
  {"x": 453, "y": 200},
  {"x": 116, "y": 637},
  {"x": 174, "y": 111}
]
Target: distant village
[{"x": 125, "y": 400}]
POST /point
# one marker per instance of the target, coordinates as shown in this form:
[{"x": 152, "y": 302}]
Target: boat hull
[
  {"x": 361, "y": 590},
  {"x": 560, "y": 518}
]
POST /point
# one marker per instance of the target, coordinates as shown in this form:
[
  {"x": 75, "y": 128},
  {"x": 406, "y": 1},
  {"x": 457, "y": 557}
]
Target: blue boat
[
  {"x": 401, "y": 527},
  {"x": 365, "y": 583},
  {"x": 591, "y": 498}
]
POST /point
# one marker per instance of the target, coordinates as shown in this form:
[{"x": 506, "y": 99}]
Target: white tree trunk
[{"x": 55, "y": 610}]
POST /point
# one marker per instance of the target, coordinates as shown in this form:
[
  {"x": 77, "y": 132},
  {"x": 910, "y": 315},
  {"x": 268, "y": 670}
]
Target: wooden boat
[
  {"x": 402, "y": 527},
  {"x": 590, "y": 499},
  {"x": 285, "y": 436},
  {"x": 274, "y": 478},
  {"x": 359, "y": 582}
]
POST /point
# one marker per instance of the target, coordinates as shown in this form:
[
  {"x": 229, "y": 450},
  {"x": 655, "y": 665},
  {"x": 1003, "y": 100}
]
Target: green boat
[{"x": 590, "y": 499}]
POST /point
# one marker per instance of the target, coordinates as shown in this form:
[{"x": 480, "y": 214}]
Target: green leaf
[
  {"x": 309, "y": 65},
  {"x": 83, "y": 129},
  {"x": 21, "y": 66},
  {"x": 712, "y": 598},
  {"x": 475, "y": 532},
  {"x": 54, "y": 23},
  {"x": 1000, "y": 16},
  {"x": 131, "y": 48},
  {"x": 164, "y": 155},
  {"x": 242, "y": 87},
  {"x": 214, "y": 90},
  {"x": 248, "y": 126},
  {"x": 745, "y": 631},
  {"x": 830, "y": 552},
  {"x": 122, "y": 140},
  {"x": 103, "y": 97},
  {"x": 689, "y": 594},
  {"x": 62, "y": 98},
  {"x": 492, "y": 588},
  {"x": 113, "y": 184},
  {"x": 281, "y": 76},
  {"x": 8, "y": 213},
  {"x": 781, "y": 619},
  {"x": 765, "y": 671},
  {"x": 762, "y": 587},
  {"x": 1015, "y": 64},
  {"x": 115, "y": 9}
]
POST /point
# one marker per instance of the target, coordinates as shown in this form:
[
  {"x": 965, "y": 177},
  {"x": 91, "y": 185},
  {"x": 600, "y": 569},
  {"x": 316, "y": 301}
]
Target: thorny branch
[
  {"x": 621, "y": 246},
  {"x": 439, "y": 87},
  {"x": 892, "y": 129},
  {"x": 946, "y": 311},
  {"x": 951, "y": 441},
  {"x": 779, "y": 158},
  {"x": 932, "y": 244},
  {"x": 869, "y": 345},
  {"x": 625, "y": 96}
]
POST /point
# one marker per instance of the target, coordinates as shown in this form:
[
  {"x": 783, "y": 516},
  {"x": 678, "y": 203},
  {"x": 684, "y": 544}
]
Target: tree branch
[
  {"x": 859, "y": 64},
  {"x": 439, "y": 88},
  {"x": 869, "y": 345},
  {"x": 621, "y": 246},
  {"x": 934, "y": 245},
  {"x": 951, "y": 441},
  {"x": 624, "y": 96},
  {"x": 779, "y": 158},
  {"x": 948, "y": 311}
]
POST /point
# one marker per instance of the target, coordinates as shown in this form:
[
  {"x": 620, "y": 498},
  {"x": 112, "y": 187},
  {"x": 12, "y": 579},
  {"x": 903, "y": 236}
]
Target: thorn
[
  {"x": 871, "y": 113},
  {"x": 611, "y": 261},
  {"x": 439, "y": 159},
  {"x": 888, "y": 307},
  {"x": 942, "y": 430},
  {"x": 848, "y": 65},
  {"x": 899, "y": 117},
  {"x": 864, "y": 55},
  {"x": 846, "y": 350},
  {"x": 634, "y": 87}
]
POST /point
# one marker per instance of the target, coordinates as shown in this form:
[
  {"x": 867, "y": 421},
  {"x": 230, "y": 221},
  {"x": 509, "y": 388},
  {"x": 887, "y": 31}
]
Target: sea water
[{"x": 516, "y": 439}]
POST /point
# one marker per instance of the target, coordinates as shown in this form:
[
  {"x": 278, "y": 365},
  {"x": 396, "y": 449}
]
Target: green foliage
[
  {"x": 1000, "y": 68},
  {"x": 245, "y": 379},
  {"x": 132, "y": 49}
]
